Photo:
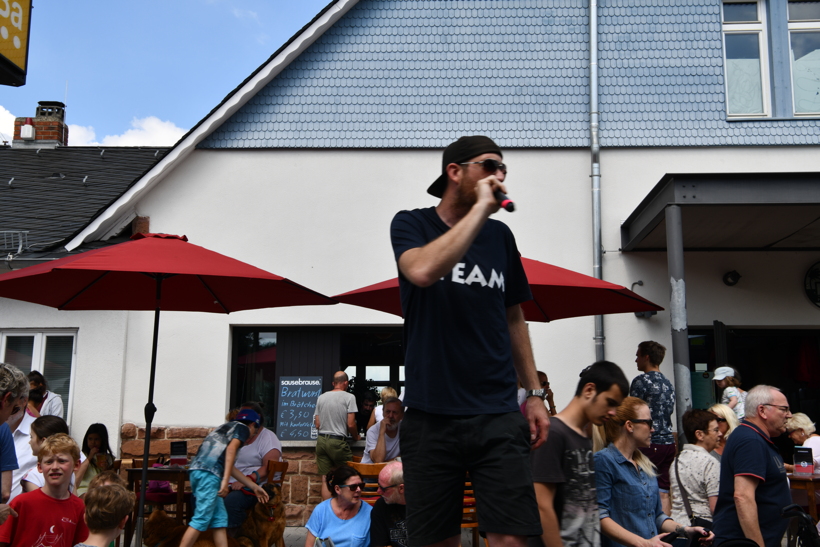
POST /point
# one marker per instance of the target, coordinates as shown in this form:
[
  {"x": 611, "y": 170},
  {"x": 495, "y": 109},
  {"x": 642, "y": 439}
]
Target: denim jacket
[{"x": 627, "y": 495}]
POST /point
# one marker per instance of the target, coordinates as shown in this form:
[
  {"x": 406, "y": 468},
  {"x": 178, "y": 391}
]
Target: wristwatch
[{"x": 540, "y": 393}]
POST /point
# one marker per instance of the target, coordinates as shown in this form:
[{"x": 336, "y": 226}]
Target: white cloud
[
  {"x": 246, "y": 14},
  {"x": 150, "y": 131},
  {"x": 6, "y": 125}
]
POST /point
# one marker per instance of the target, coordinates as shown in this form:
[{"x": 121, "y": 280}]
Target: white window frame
[
  {"x": 796, "y": 27},
  {"x": 758, "y": 27},
  {"x": 39, "y": 352}
]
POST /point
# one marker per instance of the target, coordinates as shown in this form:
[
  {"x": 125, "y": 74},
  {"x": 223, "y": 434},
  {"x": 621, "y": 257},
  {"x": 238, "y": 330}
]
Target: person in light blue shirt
[
  {"x": 629, "y": 504},
  {"x": 343, "y": 518}
]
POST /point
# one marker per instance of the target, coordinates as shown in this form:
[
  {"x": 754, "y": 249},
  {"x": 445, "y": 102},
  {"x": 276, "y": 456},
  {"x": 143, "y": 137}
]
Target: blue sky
[{"x": 143, "y": 73}]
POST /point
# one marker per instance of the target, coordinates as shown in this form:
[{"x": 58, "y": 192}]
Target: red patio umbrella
[
  {"x": 153, "y": 272},
  {"x": 557, "y": 293}
]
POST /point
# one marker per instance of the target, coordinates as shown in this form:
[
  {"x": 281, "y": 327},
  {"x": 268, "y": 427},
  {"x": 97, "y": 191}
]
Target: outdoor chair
[
  {"x": 370, "y": 474},
  {"x": 273, "y": 469}
]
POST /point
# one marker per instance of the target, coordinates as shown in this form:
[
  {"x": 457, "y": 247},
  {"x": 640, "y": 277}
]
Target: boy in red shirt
[{"x": 50, "y": 516}]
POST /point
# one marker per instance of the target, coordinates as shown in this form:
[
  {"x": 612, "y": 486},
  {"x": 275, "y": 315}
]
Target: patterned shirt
[
  {"x": 211, "y": 454},
  {"x": 740, "y": 407},
  {"x": 700, "y": 477},
  {"x": 654, "y": 388}
]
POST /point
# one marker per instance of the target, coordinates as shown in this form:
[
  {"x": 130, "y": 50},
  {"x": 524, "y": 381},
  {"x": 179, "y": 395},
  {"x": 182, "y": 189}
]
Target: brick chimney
[{"x": 46, "y": 130}]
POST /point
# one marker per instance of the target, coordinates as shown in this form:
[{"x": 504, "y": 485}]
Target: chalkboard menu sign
[{"x": 297, "y": 401}]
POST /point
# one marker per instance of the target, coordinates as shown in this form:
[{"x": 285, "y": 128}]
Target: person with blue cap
[{"x": 210, "y": 472}]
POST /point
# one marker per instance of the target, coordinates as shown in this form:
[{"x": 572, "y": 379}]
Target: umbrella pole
[{"x": 150, "y": 410}]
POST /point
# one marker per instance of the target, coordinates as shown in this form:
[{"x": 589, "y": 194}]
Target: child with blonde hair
[{"x": 49, "y": 515}]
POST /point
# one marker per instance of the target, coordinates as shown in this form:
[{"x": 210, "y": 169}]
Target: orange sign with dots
[{"x": 15, "y": 18}]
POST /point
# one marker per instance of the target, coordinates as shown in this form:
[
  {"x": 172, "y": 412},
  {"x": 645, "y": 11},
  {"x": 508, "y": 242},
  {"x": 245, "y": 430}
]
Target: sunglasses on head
[
  {"x": 489, "y": 165},
  {"x": 357, "y": 486}
]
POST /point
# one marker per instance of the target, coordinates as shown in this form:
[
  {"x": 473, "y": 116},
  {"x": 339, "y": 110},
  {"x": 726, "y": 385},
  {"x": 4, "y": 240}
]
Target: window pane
[
  {"x": 739, "y": 12},
  {"x": 19, "y": 350},
  {"x": 806, "y": 71},
  {"x": 743, "y": 78},
  {"x": 57, "y": 366},
  {"x": 804, "y": 11},
  {"x": 256, "y": 371},
  {"x": 379, "y": 374}
]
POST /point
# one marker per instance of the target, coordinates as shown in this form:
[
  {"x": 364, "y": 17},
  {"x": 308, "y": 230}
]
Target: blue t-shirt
[
  {"x": 458, "y": 355},
  {"x": 323, "y": 523},
  {"x": 8, "y": 456},
  {"x": 211, "y": 455},
  {"x": 627, "y": 495},
  {"x": 656, "y": 389},
  {"x": 750, "y": 451}
]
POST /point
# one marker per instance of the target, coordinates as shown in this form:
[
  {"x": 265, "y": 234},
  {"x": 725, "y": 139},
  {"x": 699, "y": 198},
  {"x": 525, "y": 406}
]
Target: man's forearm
[
  {"x": 425, "y": 265},
  {"x": 747, "y": 516},
  {"x": 523, "y": 359},
  {"x": 379, "y": 452}
]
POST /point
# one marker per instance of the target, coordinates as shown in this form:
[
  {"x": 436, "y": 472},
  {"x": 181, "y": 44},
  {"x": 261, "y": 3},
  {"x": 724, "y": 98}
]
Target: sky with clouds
[{"x": 144, "y": 73}]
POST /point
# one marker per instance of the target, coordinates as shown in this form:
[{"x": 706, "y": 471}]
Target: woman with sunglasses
[
  {"x": 627, "y": 486},
  {"x": 342, "y": 518},
  {"x": 727, "y": 422}
]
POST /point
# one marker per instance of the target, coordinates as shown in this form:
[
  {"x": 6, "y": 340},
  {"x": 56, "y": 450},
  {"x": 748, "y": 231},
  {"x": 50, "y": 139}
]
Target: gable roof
[
  {"x": 399, "y": 74},
  {"x": 53, "y": 193}
]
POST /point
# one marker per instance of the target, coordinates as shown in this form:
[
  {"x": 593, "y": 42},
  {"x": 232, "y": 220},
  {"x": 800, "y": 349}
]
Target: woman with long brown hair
[{"x": 627, "y": 487}]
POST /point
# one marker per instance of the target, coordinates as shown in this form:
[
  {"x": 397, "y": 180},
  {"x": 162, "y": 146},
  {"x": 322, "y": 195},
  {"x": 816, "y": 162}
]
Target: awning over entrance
[
  {"x": 730, "y": 212},
  {"x": 720, "y": 212}
]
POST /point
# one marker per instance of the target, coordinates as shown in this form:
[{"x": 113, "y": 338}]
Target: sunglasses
[
  {"x": 647, "y": 422},
  {"x": 721, "y": 419},
  {"x": 386, "y": 488},
  {"x": 489, "y": 165},
  {"x": 357, "y": 486}
]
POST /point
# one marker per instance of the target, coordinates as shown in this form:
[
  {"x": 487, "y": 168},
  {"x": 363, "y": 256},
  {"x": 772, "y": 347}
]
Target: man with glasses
[
  {"x": 462, "y": 283},
  {"x": 753, "y": 485},
  {"x": 388, "y": 525}
]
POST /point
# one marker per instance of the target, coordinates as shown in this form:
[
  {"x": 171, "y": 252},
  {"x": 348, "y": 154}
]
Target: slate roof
[
  {"x": 418, "y": 74},
  {"x": 54, "y": 209}
]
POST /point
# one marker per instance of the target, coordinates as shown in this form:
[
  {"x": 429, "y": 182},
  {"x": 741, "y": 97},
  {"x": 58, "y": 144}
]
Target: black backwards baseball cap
[{"x": 462, "y": 150}]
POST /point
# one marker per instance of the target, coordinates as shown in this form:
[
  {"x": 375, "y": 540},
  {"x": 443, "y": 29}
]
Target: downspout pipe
[{"x": 595, "y": 153}]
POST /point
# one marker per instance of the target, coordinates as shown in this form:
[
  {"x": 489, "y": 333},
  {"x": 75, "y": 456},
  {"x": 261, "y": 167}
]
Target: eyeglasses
[
  {"x": 647, "y": 422},
  {"x": 781, "y": 407},
  {"x": 489, "y": 165},
  {"x": 386, "y": 488},
  {"x": 357, "y": 486}
]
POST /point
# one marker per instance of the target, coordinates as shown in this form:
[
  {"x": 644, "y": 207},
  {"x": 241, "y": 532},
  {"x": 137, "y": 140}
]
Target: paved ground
[{"x": 295, "y": 537}]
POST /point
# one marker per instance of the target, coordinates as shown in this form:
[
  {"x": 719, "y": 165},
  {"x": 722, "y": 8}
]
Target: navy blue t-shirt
[
  {"x": 458, "y": 359},
  {"x": 750, "y": 451}
]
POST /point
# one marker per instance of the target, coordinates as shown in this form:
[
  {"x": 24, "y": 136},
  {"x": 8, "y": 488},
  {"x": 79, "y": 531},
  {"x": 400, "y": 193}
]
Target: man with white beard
[{"x": 382, "y": 443}]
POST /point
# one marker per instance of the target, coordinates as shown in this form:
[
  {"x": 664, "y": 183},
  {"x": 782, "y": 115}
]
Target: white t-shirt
[
  {"x": 53, "y": 405},
  {"x": 25, "y": 459},
  {"x": 249, "y": 458},
  {"x": 36, "y": 478},
  {"x": 392, "y": 450}
]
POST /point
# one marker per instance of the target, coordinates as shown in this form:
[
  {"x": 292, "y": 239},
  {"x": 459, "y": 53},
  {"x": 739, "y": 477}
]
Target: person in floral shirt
[{"x": 656, "y": 389}]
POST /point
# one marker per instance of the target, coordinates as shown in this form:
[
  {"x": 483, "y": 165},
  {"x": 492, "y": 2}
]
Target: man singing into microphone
[{"x": 461, "y": 282}]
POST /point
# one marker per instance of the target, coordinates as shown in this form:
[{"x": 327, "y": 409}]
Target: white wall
[
  {"x": 98, "y": 375},
  {"x": 321, "y": 218}
]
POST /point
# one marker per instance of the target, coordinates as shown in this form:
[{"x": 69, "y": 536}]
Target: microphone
[{"x": 505, "y": 202}]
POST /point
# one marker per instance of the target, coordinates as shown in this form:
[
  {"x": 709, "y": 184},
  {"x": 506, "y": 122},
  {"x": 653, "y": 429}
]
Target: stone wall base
[{"x": 302, "y": 489}]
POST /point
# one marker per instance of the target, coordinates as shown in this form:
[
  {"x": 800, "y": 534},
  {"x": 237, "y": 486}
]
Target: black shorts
[
  {"x": 437, "y": 451},
  {"x": 662, "y": 455}
]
